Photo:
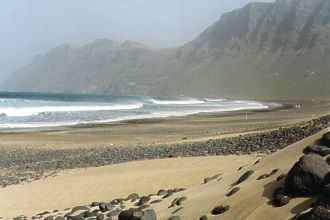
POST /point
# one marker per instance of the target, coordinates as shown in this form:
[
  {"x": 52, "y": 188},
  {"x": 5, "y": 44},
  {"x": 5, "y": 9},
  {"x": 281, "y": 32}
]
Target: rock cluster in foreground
[{"x": 309, "y": 177}]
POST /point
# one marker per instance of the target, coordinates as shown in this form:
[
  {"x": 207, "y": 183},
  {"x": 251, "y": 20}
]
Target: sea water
[{"x": 41, "y": 110}]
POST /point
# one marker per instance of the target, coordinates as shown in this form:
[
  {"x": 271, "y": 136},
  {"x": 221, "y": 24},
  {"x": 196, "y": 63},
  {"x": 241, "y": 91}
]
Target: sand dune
[
  {"x": 78, "y": 187},
  {"x": 252, "y": 201}
]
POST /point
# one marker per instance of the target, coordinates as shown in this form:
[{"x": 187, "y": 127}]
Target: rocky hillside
[{"x": 264, "y": 50}]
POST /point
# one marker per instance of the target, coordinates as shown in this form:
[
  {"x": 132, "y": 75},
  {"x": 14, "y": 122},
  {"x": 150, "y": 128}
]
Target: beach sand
[
  {"x": 252, "y": 201},
  {"x": 83, "y": 186}
]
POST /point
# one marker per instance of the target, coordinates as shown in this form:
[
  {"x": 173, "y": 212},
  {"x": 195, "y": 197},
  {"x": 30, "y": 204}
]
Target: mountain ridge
[{"x": 263, "y": 50}]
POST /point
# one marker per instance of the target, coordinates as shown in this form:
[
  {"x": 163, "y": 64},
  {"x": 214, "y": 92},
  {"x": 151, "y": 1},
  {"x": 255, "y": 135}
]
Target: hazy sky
[{"x": 31, "y": 27}]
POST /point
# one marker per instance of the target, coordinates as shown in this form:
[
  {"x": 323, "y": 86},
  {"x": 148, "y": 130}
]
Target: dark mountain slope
[{"x": 264, "y": 50}]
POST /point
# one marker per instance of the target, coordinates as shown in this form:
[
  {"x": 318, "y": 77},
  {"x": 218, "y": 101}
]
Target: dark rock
[
  {"x": 220, "y": 209},
  {"x": 244, "y": 177},
  {"x": 95, "y": 204},
  {"x": 49, "y": 218},
  {"x": 109, "y": 206},
  {"x": 280, "y": 198},
  {"x": 326, "y": 179},
  {"x": 174, "y": 218},
  {"x": 115, "y": 202},
  {"x": 326, "y": 139},
  {"x": 20, "y": 218},
  {"x": 100, "y": 217},
  {"x": 328, "y": 160},
  {"x": 203, "y": 217},
  {"x": 59, "y": 218},
  {"x": 280, "y": 177},
  {"x": 273, "y": 172},
  {"x": 326, "y": 193},
  {"x": 80, "y": 208},
  {"x": 181, "y": 200},
  {"x": 136, "y": 214},
  {"x": 178, "y": 209},
  {"x": 76, "y": 217},
  {"x": 169, "y": 193},
  {"x": 263, "y": 176},
  {"x": 114, "y": 213},
  {"x": 233, "y": 191},
  {"x": 258, "y": 161},
  {"x": 143, "y": 200},
  {"x": 317, "y": 213},
  {"x": 156, "y": 201},
  {"x": 241, "y": 168},
  {"x": 102, "y": 207},
  {"x": 316, "y": 149},
  {"x": 44, "y": 213},
  {"x": 133, "y": 197},
  {"x": 162, "y": 192},
  {"x": 207, "y": 179},
  {"x": 306, "y": 176},
  {"x": 88, "y": 214},
  {"x": 145, "y": 206}
]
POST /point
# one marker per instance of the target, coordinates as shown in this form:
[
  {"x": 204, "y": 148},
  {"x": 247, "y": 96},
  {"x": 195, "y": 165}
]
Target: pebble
[{"x": 220, "y": 209}]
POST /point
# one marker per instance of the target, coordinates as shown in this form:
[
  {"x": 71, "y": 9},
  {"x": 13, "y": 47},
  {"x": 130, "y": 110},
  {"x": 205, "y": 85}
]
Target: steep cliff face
[
  {"x": 279, "y": 50},
  {"x": 264, "y": 50}
]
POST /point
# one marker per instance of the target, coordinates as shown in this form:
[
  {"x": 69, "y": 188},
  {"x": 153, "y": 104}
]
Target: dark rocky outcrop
[
  {"x": 317, "y": 213},
  {"x": 317, "y": 149},
  {"x": 326, "y": 139},
  {"x": 306, "y": 176}
]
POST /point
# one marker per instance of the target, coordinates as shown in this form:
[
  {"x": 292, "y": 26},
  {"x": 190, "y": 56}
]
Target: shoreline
[
  {"x": 147, "y": 120},
  {"x": 21, "y": 165}
]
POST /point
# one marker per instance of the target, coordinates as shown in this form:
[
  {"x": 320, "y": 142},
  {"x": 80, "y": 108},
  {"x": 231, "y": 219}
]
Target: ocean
[{"x": 20, "y": 111}]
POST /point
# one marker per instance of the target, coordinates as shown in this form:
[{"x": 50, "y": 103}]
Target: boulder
[
  {"x": 280, "y": 198},
  {"x": 306, "y": 176},
  {"x": 100, "y": 217},
  {"x": 326, "y": 139},
  {"x": 317, "y": 149},
  {"x": 326, "y": 193},
  {"x": 317, "y": 213},
  {"x": 136, "y": 214}
]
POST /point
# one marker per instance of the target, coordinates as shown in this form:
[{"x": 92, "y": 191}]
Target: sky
[{"x": 32, "y": 27}]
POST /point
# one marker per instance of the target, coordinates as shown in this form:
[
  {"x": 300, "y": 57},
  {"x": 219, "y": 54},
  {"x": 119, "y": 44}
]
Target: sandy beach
[{"x": 73, "y": 171}]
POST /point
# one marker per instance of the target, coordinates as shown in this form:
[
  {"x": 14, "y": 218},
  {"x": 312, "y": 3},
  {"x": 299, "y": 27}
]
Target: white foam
[
  {"x": 188, "y": 101},
  {"x": 27, "y": 111},
  {"x": 215, "y": 100}
]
